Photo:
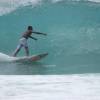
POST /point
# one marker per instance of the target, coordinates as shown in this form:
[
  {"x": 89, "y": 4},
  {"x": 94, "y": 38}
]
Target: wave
[
  {"x": 73, "y": 30},
  {"x": 77, "y": 35},
  {"x": 8, "y": 6}
]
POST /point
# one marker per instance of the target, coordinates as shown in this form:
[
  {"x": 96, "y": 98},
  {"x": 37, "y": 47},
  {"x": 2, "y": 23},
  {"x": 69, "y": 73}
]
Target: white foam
[
  {"x": 50, "y": 87},
  {"x": 5, "y": 58},
  {"x": 7, "y": 6}
]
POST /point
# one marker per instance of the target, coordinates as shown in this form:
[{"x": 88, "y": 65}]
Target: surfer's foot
[{"x": 13, "y": 55}]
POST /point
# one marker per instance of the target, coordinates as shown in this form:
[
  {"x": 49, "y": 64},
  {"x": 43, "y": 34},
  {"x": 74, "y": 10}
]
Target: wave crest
[{"x": 7, "y": 6}]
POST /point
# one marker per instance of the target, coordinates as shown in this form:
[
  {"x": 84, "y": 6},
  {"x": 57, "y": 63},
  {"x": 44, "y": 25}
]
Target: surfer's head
[{"x": 30, "y": 28}]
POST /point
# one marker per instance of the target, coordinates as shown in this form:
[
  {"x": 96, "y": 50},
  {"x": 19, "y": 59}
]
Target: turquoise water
[{"x": 72, "y": 41}]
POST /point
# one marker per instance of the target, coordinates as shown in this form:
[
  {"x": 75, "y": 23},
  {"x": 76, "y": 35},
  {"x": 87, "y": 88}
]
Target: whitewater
[{"x": 55, "y": 87}]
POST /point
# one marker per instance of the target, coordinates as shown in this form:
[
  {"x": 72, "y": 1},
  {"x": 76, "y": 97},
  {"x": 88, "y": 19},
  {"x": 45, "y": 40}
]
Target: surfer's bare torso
[{"x": 27, "y": 34}]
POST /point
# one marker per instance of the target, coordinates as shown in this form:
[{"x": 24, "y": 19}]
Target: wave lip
[{"x": 8, "y": 6}]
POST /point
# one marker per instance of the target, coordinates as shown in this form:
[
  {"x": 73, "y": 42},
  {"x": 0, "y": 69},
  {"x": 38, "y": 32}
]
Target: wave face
[{"x": 73, "y": 28}]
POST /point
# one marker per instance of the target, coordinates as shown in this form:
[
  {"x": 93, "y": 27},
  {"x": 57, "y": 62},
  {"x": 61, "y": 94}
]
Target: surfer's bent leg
[
  {"x": 27, "y": 50},
  {"x": 17, "y": 50}
]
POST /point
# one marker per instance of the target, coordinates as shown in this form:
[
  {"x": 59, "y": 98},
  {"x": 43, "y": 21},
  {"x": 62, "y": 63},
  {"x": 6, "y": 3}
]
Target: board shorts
[{"x": 22, "y": 43}]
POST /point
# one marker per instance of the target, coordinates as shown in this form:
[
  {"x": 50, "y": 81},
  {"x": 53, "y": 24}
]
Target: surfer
[{"x": 23, "y": 40}]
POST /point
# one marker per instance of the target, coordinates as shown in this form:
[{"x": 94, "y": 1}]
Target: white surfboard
[
  {"x": 7, "y": 58},
  {"x": 30, "y": 58}
]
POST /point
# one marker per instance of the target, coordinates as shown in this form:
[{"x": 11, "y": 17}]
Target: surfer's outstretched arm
[
  {"x": 39, "y": 33},
  {"x": 32, "y": 37}
]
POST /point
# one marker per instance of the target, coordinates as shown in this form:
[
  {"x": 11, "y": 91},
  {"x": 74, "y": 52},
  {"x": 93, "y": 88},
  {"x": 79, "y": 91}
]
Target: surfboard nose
[{"x": 43, "y": 55}]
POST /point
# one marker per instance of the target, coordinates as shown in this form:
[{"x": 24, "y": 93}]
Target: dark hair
[{"x": 30, "y": 28}]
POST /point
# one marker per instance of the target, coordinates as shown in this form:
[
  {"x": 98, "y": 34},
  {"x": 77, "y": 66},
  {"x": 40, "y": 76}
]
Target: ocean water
[
  {"x": 72, "y": 41},
  {"x": 71, "y": 71}
]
